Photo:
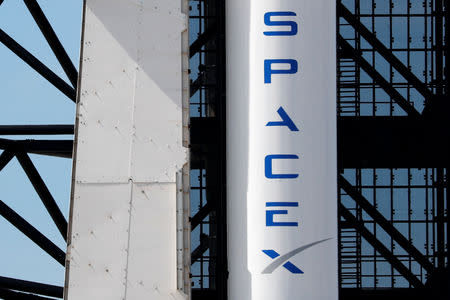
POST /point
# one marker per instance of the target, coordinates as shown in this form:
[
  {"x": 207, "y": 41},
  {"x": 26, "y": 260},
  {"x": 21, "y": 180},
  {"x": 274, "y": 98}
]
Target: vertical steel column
[
  {"x": 222, "y": 261},
  {"x": 447, "y": 94},
  {"x": 439, "y": 90}
]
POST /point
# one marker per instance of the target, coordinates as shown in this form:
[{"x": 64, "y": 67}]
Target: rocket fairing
[{"x": 281, "y": 150}]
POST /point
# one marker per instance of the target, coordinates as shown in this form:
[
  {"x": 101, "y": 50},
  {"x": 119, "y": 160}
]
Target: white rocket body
[{"x": 281, "y": 150}]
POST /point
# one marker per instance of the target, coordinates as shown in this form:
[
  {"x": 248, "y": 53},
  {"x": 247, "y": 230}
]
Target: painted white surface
[
  {"x": 309, "y": 98},
  {"x": 129, "y": 147}
]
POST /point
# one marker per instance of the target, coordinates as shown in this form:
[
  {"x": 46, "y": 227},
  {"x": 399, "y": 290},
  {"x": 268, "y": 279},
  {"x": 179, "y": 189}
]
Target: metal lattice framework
[
  {"x": 392, "y": 141},
  {"x": 392, "y": 138},
  {"x": 11, "y": 288}
]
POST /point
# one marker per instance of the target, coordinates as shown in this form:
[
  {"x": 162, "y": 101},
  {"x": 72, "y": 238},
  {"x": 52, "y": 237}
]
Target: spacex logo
[{"x": 284, "y": 259}]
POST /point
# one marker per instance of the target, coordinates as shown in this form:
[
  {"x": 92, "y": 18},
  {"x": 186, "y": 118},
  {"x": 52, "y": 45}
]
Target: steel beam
[
  {"x": 440, "y": 218},
  {"x": 446, "y": 83},
  {"x": 32, "y": 233},
  {"x": 440, "y": 185},
  {"x": 447, "y": 219},
  {"x": 5, "y": 158},
  {"x": 380, "y": 294},
  {"x": 36, "y": 129},
  {"x": 378, "y": 246},
  {"x": 385, "y": 52},
  {"x": 198, "y": 252},
  {"x": 31, "y": 287},
  {"x": 37, "y": 65},
  {"x": 201, "y": 215},
  {"x": 204, "y": 294},
  {"x": 392, "y": 142},
  {"x": 59, "y": 148},
  {"x": 447, "y": 51},
  {"x": 344, "y": 294},
  {"x": 378, "y": 78},
  {"x": 364, "y": 142},
  {"x": 385, "y": 224},
  {"x": 13, "y": 295},
  {"x": 204, "y": 131},
  {"x": 43, "y": 192},
  {"x": 53, "y": 41},
  {"x": 202, "y": 40},
  {"x": 195, "y": 86}
]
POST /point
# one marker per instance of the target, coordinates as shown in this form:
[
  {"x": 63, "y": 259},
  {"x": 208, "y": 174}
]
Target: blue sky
[{"x": 27, "y": 98}]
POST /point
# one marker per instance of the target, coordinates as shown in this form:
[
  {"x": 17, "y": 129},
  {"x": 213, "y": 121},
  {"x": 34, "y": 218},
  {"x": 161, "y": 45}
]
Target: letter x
[
  {"x": 283, "y": 260},
  {"x": 288, "y": 265}
]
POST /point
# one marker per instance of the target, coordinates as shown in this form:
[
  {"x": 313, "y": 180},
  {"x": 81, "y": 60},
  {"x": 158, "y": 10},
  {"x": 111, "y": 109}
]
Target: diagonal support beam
[
  {"x": 198, "y": 252},
  {"x": 13, "y": 295},
  {"x": 5, "y": 158},
  {"x": 37, "y": 65},
  {"x": 379, "y": 247},
  {"x": 385, "y": 224},
  {"x": 201, "y": 215},
  {"x": 53, "y": 41},
  {"x": 195, "y": 86},
  {"x": 202, "y": 40},
  {"x": 32, "y": 233},
  {"x": 43, "y": 192},
  {"x": 385, "y": 52},
  {"x": 378, "y": 78},
  {"x": 31, "y": 287}
]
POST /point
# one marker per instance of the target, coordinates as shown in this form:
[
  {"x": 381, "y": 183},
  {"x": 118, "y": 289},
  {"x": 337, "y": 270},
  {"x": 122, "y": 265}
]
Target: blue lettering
[
  {"x": 268, "y": 166},
  {"x": 287, "y": 121},
  {"x": 271, "y": 213},
  {"x": 269, "y": 22},
  {"x": 268, "y": 71}
]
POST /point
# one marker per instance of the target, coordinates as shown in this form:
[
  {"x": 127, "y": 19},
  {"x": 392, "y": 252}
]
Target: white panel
[
  {"x": 107, "y": 91},
  {"x": 281, "y": 149},
  {"x": 98, "y": 251},
  {"x": 158, "y": 126},
  {"x": 130, "y": 143},
  {"x": 152, "y": 235}
]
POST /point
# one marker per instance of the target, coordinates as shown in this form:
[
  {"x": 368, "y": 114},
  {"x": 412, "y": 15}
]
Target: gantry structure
[{"x": 393, "y": 150}]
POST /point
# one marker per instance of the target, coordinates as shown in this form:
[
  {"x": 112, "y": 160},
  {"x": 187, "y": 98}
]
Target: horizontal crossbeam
[
  {"x": 36, "y": 129},
  {"x": 364, "y": 142},
  {"x": 59, "y": 148}
]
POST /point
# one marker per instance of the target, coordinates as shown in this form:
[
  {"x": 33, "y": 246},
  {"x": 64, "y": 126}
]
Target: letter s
[{"x": 268, "y": 21}]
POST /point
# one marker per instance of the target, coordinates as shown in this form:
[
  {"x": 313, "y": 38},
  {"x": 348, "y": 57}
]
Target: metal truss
[
  {"x": 394, "y": 145},
  {"x": 393, "y": 142},
  {"x": 208, "y": 185},
  {"x": 12, "y": 288}
]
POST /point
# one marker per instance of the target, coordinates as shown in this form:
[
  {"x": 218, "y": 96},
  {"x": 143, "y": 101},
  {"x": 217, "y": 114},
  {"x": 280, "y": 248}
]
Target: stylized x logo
[
  {"x": 283, "y": 260},
  {"x": 288, "y": 265}
]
